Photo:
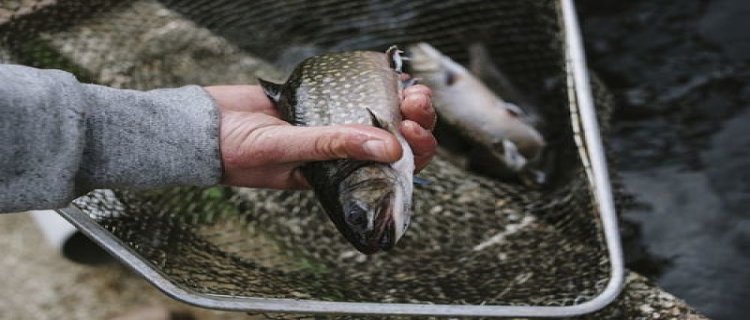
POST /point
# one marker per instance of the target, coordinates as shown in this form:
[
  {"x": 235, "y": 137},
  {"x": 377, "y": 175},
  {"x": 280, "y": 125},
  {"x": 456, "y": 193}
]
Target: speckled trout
[
  {"x": 369, "y": 202},
  {"x": 464, "y": 102}
]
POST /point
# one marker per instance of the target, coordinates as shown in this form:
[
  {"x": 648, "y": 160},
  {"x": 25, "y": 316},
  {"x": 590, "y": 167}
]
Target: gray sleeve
[{"x": 60, "y": 138}]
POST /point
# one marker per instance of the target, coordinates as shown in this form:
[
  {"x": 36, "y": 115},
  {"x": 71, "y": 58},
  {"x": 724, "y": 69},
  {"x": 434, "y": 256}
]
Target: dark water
[{"x": 680, "y": 72}]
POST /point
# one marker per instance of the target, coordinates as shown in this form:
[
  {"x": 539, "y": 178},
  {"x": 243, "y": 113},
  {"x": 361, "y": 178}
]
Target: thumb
[{"x": 360, "y": 142}]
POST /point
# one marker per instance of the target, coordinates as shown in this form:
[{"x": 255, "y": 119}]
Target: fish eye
[
  {"x": 450, "y": 78},
  {"x": 356, "y": 216},
  {"x": 514, "y": 110}
]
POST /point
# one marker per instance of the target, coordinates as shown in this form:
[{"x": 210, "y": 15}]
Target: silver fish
[
  {"x": 369, "y": 202},
  {"x": 463, "y": 101}
]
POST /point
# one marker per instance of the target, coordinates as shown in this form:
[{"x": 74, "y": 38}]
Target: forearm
[{"x": 60, "y": 138}]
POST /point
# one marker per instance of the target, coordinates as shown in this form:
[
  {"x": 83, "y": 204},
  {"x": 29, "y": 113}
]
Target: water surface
[{"x": 682, "y": 136}]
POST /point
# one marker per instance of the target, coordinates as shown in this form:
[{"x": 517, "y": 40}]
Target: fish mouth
[
  {"x": 371, "y": 230},
  {"x": 384, "y": 234}
]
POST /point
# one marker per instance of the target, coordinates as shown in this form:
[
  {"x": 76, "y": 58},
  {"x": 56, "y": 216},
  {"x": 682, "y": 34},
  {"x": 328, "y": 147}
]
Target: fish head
[
  {"x": 368, "y": 202},
  {"x": 435, "y": 69},
  {"x": 375, "y": 207}
]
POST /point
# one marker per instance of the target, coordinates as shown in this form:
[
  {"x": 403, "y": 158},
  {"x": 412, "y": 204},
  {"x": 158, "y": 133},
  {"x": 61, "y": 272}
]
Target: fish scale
[{"x": 337, "y": 85}]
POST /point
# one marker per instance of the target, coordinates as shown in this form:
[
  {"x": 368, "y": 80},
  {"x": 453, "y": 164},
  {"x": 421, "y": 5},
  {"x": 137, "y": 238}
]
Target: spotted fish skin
[{"x": 369, "y": 202}]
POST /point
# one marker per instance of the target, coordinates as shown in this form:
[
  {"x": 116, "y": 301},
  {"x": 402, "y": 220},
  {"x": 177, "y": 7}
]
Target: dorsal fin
[
  {"x": 272, "y": 90},
  {"x": 380, "y": 123},
  {"x": 375, "y": 121},
  {"x": 483, "y": 67}
]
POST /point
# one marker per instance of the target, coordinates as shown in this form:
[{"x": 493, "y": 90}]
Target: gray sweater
[{"x": 60, "y": 138}]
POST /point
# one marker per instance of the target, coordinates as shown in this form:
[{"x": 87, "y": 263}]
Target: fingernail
[{"x": 374, "y": 147}]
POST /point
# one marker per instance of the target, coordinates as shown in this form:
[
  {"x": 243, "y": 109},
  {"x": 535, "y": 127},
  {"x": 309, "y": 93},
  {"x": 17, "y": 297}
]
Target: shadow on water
[{"x": 679, "y": 70}]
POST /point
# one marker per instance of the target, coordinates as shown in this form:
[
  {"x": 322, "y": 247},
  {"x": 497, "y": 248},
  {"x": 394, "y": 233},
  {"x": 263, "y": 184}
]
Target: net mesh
[{"x": 473, "y": 240}]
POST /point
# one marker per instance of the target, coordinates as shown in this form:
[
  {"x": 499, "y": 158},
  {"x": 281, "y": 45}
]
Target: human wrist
[{"x": 241, "y": 98}]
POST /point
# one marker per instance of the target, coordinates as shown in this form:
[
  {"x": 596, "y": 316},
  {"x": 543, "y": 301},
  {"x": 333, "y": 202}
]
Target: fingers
[
  {"x": 242, "y": 98},
  {"x": 258, "y": 149},
  {"x": 288, "y": 144},
  {"x": 419, "y": 120},
  {"x": 421, "y": 141},
  {"x": 417, "y": 106}
]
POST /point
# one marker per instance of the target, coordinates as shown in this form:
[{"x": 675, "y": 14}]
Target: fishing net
[{"x": 473, "y": 240}]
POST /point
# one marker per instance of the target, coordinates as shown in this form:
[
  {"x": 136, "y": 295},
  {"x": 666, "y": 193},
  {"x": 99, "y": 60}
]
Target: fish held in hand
[
  {"x": 369, "y": 202},
  {"x": 464, "y": 102}
]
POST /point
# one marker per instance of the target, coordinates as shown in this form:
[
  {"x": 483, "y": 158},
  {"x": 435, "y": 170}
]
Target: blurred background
[{"x": 678, "y": 69}]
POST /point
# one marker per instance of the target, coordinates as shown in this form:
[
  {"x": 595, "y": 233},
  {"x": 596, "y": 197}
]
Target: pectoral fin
[
  {"x": 484, "y": 68},
  {"x": 510, "y": 155}
]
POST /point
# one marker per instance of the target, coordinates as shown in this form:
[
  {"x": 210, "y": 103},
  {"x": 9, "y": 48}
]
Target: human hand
[{"x": 260, "y": 150}]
